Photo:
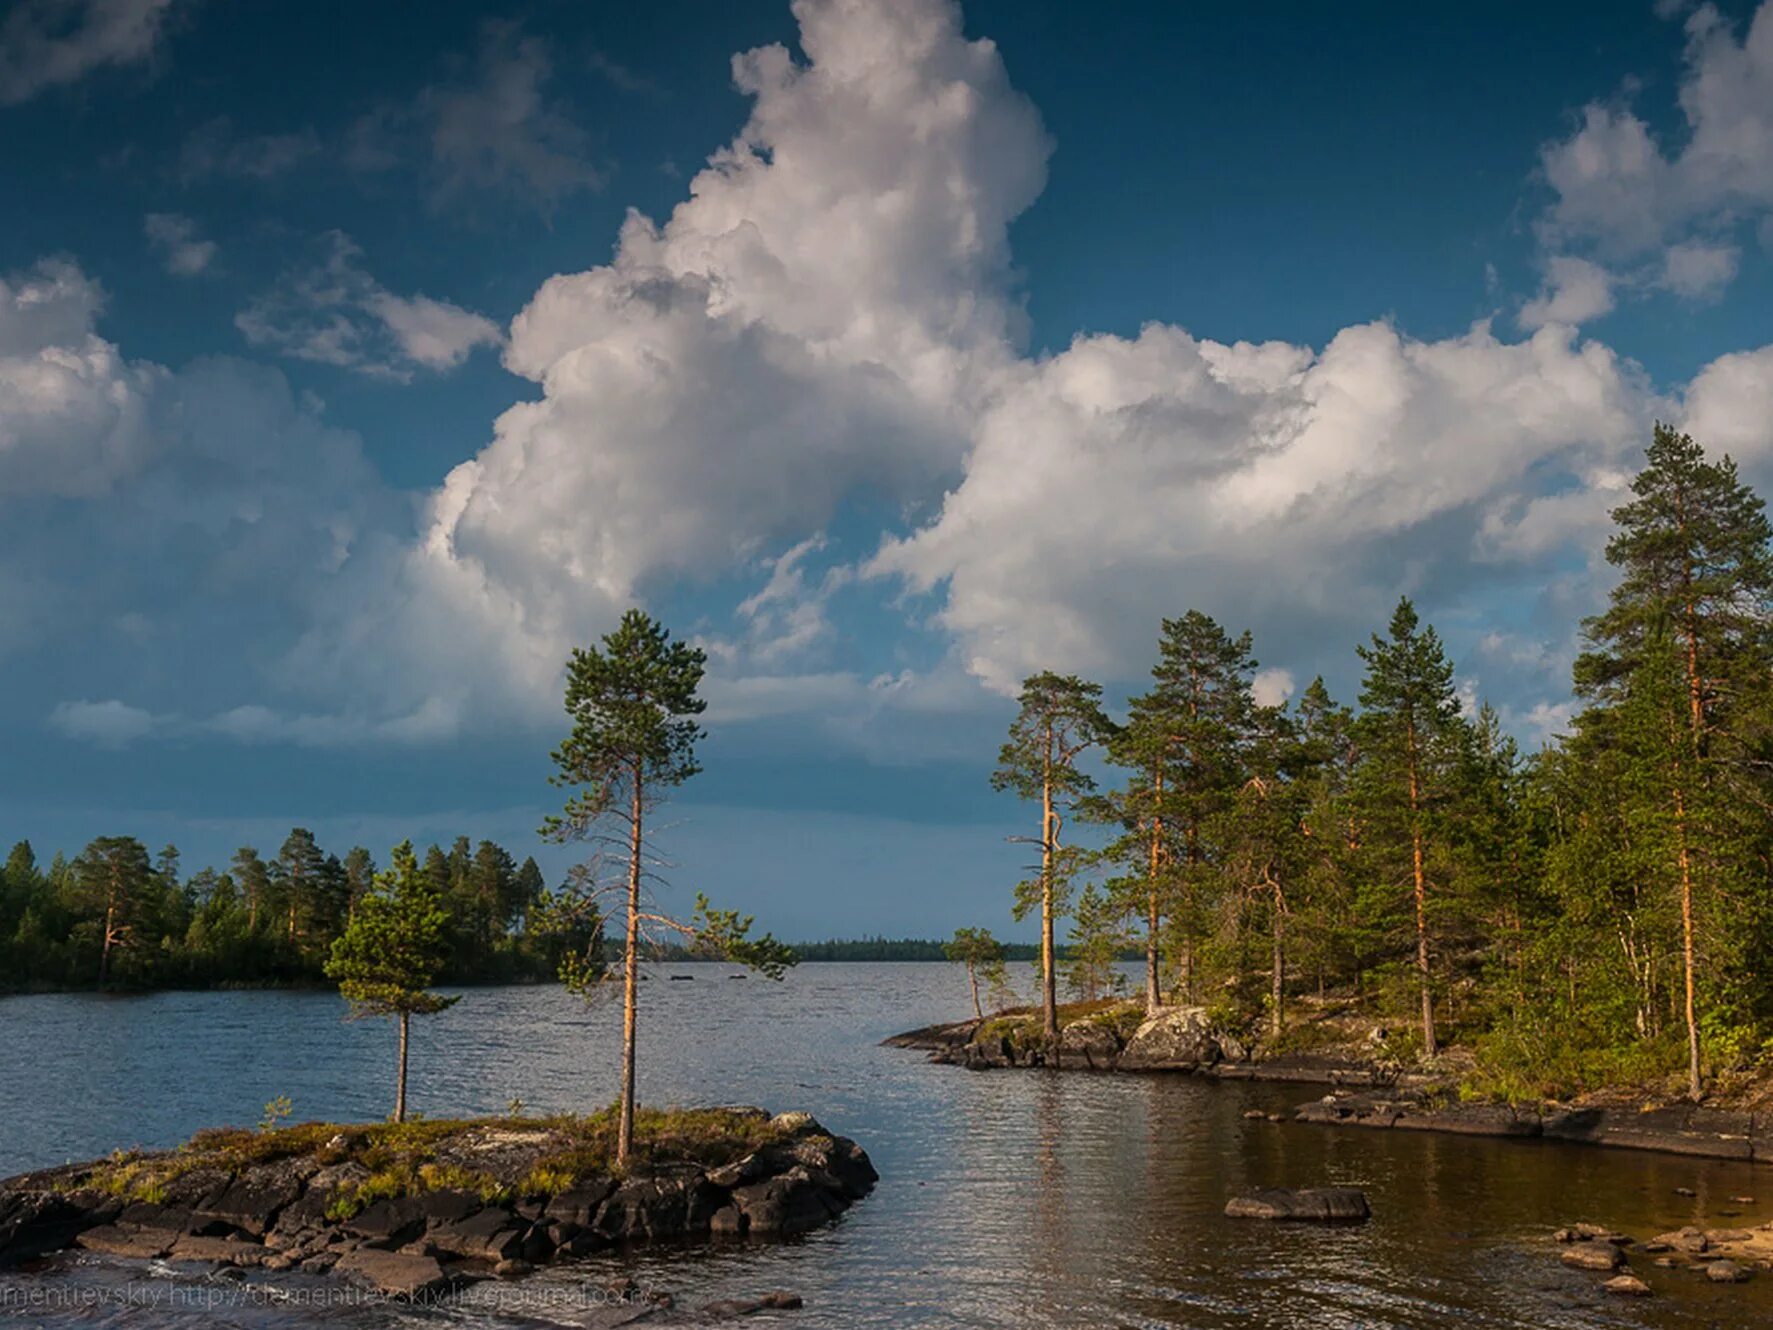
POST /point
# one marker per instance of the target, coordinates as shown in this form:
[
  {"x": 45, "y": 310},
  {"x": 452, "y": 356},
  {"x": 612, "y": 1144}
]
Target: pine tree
[
  {"x": 1411, "y": 734},
  {"x": 391, "y": 953},
  {"x": 982, "y": 954},
  {"x": 633, "y": 703},
  {"x": 1060, "y": 718},
  {"x": 1098, "y": 933},
  {"x": 1696, "y": 581},
  {"x": 111, "y": 880},
  {"x": 1201, "y": 696}
]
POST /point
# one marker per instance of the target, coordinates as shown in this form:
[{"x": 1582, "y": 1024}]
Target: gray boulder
[
  {"x": 1178, "y": 1039},
  {"x": 1314, "y": 1204}
]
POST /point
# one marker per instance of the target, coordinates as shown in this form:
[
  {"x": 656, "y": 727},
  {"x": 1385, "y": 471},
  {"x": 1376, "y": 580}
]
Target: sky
[{"x": 352, "y": 372}]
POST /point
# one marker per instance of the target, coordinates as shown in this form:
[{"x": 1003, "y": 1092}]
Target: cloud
[
  {"x": 1293, "y": 491},
  {"x": 51, "y": 43},
  {"x": 1698, "y": 270},
  {"x": 215, "y": 148},
  {"x": 827, "y": 327},
  {"x": 168, "y": 532},
  {"x": 1272, "y": 687},
  {"x": 1575, "y": 291},
  {"x": 817, "y": 320},
  {"x": 174, "y": 238},
  {"x": 108, "y": 724},
  {"x": 501, "y": 130},
  {"x": 332, "y": 312},
  {"x": 75, "y": 419},
  {"x": 1729, "y": 406},
  {"x": 1634, "y": 199}
]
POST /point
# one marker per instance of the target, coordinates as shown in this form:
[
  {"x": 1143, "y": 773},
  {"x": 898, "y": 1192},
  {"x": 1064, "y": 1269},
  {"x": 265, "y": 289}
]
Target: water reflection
[{"x": 1009, "y": 1199}]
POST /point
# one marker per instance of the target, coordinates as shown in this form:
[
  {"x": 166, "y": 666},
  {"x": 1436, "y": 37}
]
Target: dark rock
[
  {"x": 32, "y": 1223},
  {"x": 727, "y": 1221},
  {"x": 387, "y": 1223},
  {"x": 579, "y": 1203},
  {"x": 138, "y": 1243},
  {"x": 1472, "y": 1120},
  {"x": 934, "y": 1036},
  {"x": 218, "y": 1251},
  {"x": 512, "y": 1269},
  {"x": 253, "y": 1201},
  {"x": 491, "y": 1235},
  {"x": 1320, "y": 1204},
  {"x": 783, "y": 1302},
  {"x": 395, "y": 1274},
  {"x": 448, "y": 1207}
]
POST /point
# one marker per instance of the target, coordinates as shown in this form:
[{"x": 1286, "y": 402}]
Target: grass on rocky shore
[
  {"x": 496, "y": 1158},
  {"x": 1020, "y": 1024}
]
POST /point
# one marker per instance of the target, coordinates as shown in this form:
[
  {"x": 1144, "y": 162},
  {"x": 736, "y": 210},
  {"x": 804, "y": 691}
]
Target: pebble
[{"x": 1627, "y": 1286}]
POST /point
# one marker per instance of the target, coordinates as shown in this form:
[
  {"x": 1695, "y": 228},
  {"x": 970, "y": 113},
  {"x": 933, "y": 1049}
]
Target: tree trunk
[
  {"x": 1049, "y": 998},
  {"x": 1695, "y": 1087},
  {"x": 105, "y": 945},
  {"x": 630, "y": 975},
  {"x": 1429, "y": 1047},
  {"x": 400, "y": 1071},
  {"x": 1153, "y": 995},
  {"x": 1277, "y": 978},
  {"x": 973, "y": 979}
]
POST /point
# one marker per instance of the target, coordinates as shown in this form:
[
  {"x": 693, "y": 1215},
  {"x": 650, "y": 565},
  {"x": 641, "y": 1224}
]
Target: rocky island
[
  {"x": 1367, "y": 1091},
  {"x": 418, "y": 1208}
]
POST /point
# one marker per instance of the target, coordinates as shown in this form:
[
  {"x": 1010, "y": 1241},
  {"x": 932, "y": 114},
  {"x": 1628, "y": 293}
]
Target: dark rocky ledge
[
  {"x": 1676, "y": 1128},
  {"x": 416, "y": 1209},
  {"x": 1119, "y": 1037}
]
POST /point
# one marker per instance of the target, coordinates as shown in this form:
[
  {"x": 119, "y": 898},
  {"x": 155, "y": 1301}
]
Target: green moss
[{"x": 402, "y": 1159}]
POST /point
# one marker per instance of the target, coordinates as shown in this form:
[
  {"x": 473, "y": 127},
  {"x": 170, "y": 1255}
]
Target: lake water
[{"x": 1007, "y": 1198}]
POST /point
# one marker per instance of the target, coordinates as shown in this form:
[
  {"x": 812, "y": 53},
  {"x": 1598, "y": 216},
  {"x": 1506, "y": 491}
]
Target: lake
[{"x": 1008, "y": 1198}]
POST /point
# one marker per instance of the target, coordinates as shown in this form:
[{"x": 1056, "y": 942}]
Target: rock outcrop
[
  {"x": 436, "y": 1231},
  {"x": 1107, "y": 1037},
  {"x": 1322, "y": 1205}
]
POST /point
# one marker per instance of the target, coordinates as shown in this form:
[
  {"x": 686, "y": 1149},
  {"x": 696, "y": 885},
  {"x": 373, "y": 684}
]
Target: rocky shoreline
[
  {"x": 418, "y": 1210},
  {"x": 1366, "y": 1095}
]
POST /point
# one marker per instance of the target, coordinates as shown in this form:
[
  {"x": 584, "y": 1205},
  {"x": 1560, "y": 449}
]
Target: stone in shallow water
[
  {"x": 1726, "y": 1272},
  {"x": 1319, "y": 1204},
  {"x": 1592, "y": 1255},
  {"x": 1627, "y": 1286}
]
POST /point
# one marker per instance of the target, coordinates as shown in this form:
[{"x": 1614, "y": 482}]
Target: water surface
[{"x": 1008, "y": 1198}]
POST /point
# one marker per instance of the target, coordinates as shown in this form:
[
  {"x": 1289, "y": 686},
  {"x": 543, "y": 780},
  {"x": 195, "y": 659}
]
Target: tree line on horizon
[
  {"x": 115, "y": 916},
  {"x": 1597, "y": 912}
]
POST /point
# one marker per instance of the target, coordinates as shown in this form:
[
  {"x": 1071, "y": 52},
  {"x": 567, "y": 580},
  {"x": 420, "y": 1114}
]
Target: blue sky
[{"x": 351, "y": 371}]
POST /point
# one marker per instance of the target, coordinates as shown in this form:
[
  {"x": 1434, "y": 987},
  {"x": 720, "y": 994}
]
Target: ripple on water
[{"x": 1008, "y": 1199}]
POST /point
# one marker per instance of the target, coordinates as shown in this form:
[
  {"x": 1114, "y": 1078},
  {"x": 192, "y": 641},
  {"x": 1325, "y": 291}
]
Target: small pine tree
[
  {"x": 391, "y": 952},
  {"x": 982, "y": 954}
]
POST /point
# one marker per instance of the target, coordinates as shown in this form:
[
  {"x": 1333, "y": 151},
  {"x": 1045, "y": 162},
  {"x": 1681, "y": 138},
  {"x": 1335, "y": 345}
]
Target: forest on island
[{"x": 1598, "y": 912}]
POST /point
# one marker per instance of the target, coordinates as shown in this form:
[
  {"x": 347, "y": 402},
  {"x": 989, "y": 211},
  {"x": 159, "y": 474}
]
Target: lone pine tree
[{"x": 633, "y": 703}]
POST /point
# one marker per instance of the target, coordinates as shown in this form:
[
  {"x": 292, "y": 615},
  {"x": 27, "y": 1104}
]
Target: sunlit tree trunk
[
  {"x": 400, "y": 1071},
  {"x": 1153, "y": 994},
  {"x": 1048, "y": 970},
  {"x": 630, "y": 972}
]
